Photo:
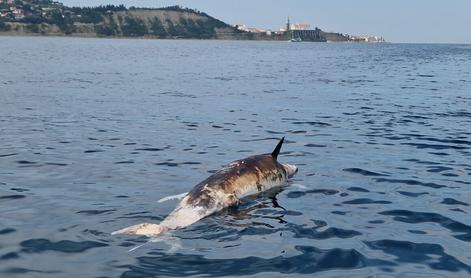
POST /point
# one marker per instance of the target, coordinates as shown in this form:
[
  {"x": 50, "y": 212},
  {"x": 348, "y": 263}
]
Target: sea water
[{"x": 94, "y": 131}]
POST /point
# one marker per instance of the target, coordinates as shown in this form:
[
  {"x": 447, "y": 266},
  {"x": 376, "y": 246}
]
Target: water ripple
[
  {"x": 384, "y": 172},
  {"x": 411, "y": 182},
  {"x": 414, "y": 217},
  {"x": 64, "y": 246},
  {"x": 432, "y": 255},
  {"x": 363, "y": 172},
  {"x": 310, "y": 260}
]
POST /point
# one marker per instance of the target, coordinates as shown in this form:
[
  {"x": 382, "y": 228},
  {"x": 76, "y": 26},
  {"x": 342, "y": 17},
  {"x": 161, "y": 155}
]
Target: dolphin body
[{"x": 224, "y": 188}]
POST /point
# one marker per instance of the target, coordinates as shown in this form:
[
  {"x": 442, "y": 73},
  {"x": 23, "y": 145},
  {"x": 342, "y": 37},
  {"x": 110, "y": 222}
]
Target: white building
[
  {"x": 300, "y": 26},
  {"x": 367, "y": 38},
  {"x": 245, "y": 28}
]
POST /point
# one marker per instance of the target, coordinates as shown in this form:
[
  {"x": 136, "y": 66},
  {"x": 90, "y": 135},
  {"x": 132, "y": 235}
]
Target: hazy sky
[{"x": 397, "y": 20}]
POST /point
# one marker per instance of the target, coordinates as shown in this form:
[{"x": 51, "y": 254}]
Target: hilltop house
[{"x": 18, "y": 13}]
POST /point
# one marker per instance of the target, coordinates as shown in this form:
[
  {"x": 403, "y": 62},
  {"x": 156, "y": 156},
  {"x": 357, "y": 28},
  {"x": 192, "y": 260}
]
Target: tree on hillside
[
  {"x": 157, "y": 28},
  {"x": 88, "y": 15},
  {"x": 65, "y": 23},
  {"x": 207, "y": 28},
  {"x": 107, "y": 28},
  {"x": 33, "y": 28},
  {"x": 186, "y": 28},
  {"x": 180, "y": 31},
  {"x": 33, "y": 19},
  {"x": 172, "y": 32},
  {"x": 4, "y": 27},
  {"x": 134, "y": 27}
]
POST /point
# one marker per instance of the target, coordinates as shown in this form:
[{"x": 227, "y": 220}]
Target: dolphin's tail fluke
[
  {"x": 276, "y": 151},
  {"x": 146, "y": 229}
]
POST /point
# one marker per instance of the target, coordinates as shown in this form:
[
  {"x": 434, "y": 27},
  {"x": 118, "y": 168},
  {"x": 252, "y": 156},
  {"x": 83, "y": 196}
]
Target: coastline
[
  {"x": 25, "y": 18},
  {"x": 161, "y": 23},
  {"x": 94, "y": 36}
]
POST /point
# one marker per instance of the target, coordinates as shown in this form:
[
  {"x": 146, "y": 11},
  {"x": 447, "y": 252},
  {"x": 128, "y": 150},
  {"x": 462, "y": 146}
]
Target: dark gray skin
[{"x": 237, "y": 180}]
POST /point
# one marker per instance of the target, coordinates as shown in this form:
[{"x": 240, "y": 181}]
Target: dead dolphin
[{"x": 224, "y": 188}]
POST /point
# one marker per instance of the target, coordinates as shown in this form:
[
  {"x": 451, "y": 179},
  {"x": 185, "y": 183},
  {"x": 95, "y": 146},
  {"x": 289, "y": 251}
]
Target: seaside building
[
  {"x": 300, "y": 26},
  {"x": 302, "y": 32},
  {"x": 367, "y": 38},
  {"x": 245, "y": 28}
]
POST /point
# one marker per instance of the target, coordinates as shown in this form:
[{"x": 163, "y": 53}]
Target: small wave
[
  {"x": 8, "y": 154},
  {"x": 312, "y": 233},
  {"x": 447, "y": 141},
  {"x": 364, "y": 201},
  {"x": 169, "y": 164},
  {"x": 297, "y": 194},
  {"x": 18, "y": 189},
  {"x": 311, "y": 123},
  {"x": 56, "y": 164},
  {"x": 22, "y": 270},
  {"x": 64, "y": 246},
  {"x": 451, "y": 201},
  {"x": 7, "y": 231},
  {"x": 262, "y": 139},
  {"x": 434, "y": 146},
  {"x": 9, "y": 256},
  {"x": 25, "y": 162},
  {"x": 412, "y": 194},
  {"x": 438, "y": 169},
  {"x": 125, "y": 162},
  {"x": 357, "y": 189},
  {"x": 310, "y": 260},
  {"x": 96, "y": 212},
  {"x": 273, "y": 132},
  {"x": 149, "y": 149},
  {"x": 176, "y": 164},
  {"x": 363, "y": 172},
  {"x": 314, "y": 146},
  {"x": 432, "y": 255},
  {"x": 411, "y": 182},
  {"x": 12, "y": 197},
  {"x": 93, "y": 151},
  {"x": 423, "y": 217}
]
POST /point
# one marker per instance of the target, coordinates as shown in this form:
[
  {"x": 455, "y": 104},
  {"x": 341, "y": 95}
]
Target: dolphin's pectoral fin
[
  {"x": 173, "y": 197},
  {"x": 146, "y": 229}
]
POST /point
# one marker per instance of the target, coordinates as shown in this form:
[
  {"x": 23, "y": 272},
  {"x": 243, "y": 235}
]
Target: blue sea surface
[{"x": 94, "y": 131}]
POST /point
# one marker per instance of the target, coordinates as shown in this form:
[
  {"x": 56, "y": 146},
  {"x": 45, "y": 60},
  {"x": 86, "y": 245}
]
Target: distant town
[
  {"x": 304, "y": 31},
  {"x": 47, "y": 17}
]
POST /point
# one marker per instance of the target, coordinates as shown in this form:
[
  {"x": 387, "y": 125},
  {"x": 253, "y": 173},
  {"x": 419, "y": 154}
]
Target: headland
[{"x": 52, "y": 18}]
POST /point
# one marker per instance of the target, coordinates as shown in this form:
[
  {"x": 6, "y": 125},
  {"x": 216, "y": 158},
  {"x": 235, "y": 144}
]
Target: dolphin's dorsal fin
[{"x": 276, "y": 151}]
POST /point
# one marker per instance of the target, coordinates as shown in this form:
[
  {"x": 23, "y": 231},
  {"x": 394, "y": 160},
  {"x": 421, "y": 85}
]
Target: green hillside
[{"x": 52, "y": 18}]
